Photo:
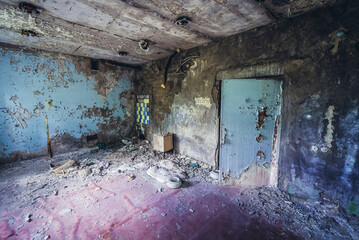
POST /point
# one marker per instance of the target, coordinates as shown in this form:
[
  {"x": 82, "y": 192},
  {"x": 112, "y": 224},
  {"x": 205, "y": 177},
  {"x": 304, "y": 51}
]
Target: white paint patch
[
  {"x": 65, "y": 211},
  {"x": 314, "y": 148},
  {"x": 27, "y": 115},
  {"x": 328, "y": 138},
  {"x": 15, "y": 19},
  {"x": 324, "y": 149},
  {"x": 203, "y": 102}
]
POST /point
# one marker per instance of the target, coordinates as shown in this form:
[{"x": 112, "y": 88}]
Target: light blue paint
[
  {"x": 59, "y": 81},
  {"x": 242, "y": 100}
]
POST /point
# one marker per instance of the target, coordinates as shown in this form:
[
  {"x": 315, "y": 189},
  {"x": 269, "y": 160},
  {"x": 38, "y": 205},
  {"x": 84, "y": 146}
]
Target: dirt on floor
[{"x": 23, "y": 184}]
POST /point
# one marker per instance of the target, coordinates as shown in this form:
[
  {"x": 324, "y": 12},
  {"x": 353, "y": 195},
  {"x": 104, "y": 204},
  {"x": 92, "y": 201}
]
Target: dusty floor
[{"x": 107, "y": 194}]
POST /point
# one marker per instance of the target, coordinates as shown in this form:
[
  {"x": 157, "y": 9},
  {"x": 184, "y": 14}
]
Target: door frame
[{"x": 271, "y": 71}]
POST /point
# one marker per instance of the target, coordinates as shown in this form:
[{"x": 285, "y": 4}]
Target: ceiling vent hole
[
  {"x": 144, "y": 45},
  {"x": 121, "y": 53},
  {"x": 94, "y": 64},
  {"x": 182, "y": 21},
  {"x": 28, "y": 33},
  {"x": 30, "y": 8}
]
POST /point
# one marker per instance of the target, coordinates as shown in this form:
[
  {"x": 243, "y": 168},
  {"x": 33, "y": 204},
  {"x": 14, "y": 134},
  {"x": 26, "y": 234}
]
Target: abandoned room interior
[{"x": 188, "y": 119}]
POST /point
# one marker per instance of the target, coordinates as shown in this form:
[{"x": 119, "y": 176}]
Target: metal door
[{"x": 250, "y": 127}]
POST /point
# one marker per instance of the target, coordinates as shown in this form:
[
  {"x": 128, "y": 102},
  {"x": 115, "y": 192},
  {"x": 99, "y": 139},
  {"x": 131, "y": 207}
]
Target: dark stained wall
[{"x": 320, "y": 115}]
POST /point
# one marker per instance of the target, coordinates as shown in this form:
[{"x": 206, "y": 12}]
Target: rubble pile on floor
[
  {"x": 320, "y": 219},
  {"x": 134, "y": 177}
]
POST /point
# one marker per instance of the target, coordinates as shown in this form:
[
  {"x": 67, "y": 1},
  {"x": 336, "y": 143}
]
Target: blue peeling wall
[{"x": 77, "y": 100}]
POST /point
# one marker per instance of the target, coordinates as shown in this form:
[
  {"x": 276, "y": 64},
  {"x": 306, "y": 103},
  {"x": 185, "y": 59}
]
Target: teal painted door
[{"x": 250, "y": 127}]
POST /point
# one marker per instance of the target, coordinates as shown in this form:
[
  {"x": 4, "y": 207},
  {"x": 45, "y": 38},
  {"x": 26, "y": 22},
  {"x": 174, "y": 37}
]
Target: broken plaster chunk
[
  {"x": 65, "y": 211},
  {"x": 126, "y": 142},
  {"x": 167, "y": 164},
  {"x": 62, "y": 167},
  {"x": 160, "y": 174},
  {"x": 28, "y": 217},
  {"x": 131, "y": 176},
  {"x": 84, "y": 173}
]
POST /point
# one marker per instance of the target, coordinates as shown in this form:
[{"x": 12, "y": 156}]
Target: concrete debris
[
  {"x": 62, "y": 167},
  {"x": 314, "y": 220},
  {"x": 323, "y": 219},
  {"x": 126, "y": 142},
  {"x": 84, "y": 173},
  {"x": 160, "y": 174},
  {"x": 65, "y": 211},
  {"x": 28, "y": 217},
  {"x": 131, "y": 176},
  {"x": 167, "y": 164},
  {"x": 214, "y": 174}
]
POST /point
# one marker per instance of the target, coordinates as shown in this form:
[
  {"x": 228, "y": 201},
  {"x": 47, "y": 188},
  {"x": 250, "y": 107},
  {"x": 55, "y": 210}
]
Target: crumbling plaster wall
[
  {"x": 77, "y": 100},
  {"x": 320, "y": 130}
]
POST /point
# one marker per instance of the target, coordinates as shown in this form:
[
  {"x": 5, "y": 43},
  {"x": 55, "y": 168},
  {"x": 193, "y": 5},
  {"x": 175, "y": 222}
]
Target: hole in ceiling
[
  {"x": 144, "y": 45},
  {"x": 94, "y": 64},
  {"x": 30, "y": 8},
  {"x": 182, "y": 21},
  {"x": 28, "y": 33},
  {"x": 122, "y": 53}
]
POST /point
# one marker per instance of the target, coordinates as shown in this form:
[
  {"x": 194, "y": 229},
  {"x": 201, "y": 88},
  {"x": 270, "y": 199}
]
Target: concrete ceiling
[{"x": 99, "y": 29}]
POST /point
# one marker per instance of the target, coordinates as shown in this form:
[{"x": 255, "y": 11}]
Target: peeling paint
[
  {"x": 259, "y": 138},
  {"x": 261, "y": 118},
  {"x": 31, "y": 94},
  {"x": 254, "y": 175},
  {"x": 328, "y": 138},
  {"x": 200, "y": 101}
]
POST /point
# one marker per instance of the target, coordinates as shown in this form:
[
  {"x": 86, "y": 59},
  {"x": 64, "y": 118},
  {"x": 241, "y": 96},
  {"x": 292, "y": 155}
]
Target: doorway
[{"x": 250, "y": 131}]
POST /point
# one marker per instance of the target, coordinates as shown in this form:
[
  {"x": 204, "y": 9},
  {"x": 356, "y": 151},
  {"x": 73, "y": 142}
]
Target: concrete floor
[{"x": 37, "y": 204}]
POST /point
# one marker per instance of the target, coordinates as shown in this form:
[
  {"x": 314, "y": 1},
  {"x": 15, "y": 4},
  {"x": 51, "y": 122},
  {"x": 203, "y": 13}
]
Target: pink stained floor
[{"x": 131, "y": 209}]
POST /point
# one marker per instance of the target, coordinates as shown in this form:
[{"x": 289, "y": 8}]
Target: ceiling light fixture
[
  {"x": 144, "y": 45},
  {"x": 182, "y": 21}
]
